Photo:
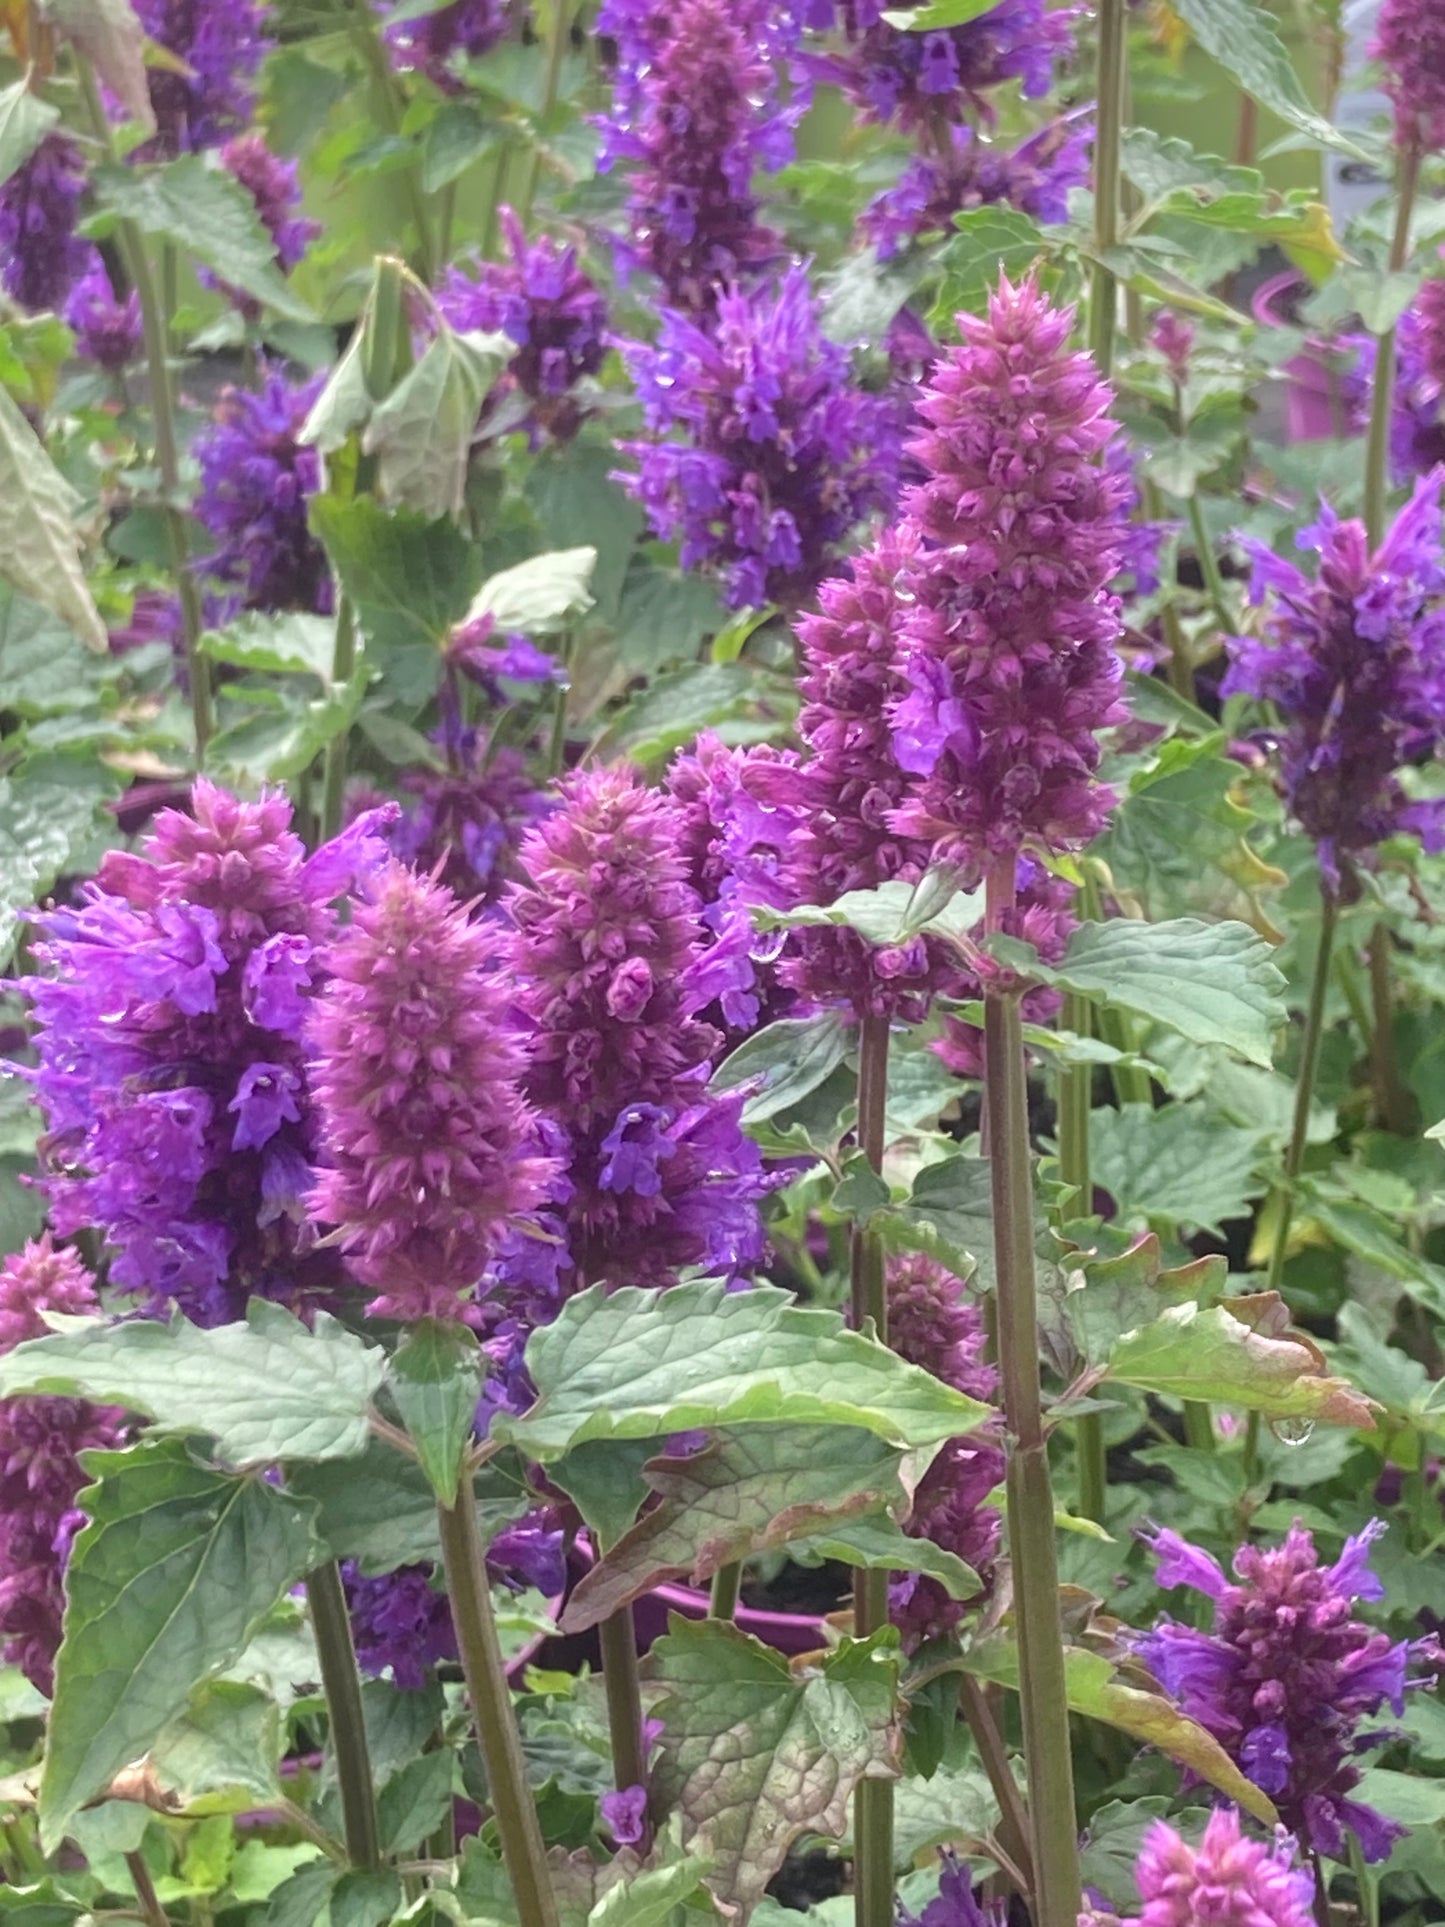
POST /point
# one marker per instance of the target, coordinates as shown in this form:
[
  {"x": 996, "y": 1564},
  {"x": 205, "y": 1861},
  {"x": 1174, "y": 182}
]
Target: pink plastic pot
[{"x": 1314, "y": 404}]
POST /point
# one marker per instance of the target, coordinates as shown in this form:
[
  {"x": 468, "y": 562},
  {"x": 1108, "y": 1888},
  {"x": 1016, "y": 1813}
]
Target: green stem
[
  {"x": 1366, "y": 1881},
  {"x": 1392, "y": 1110},
  {"x": 147, "y": 1898},
  {"x": 1304, "y": 1091},
  {"x": 1324, "y": 1915},
  {"x": 559, "y": 31},
  {"x": 1209, "y": 567},
  {"x": 1382, "y": 401},
  {"x": 163, "y": 418},
  {"x": 1075, "y": 1094},
  {"x": 873, "y": 1801},
  {"x": 727, "y": 1584},
  {"x": 1112, "y": 77},
  {"x": 1013, "y": 1819},
  {"x": 332, "y": 1626},
  {"x": 343, "y": 662},
  {"x": 513, "y": 1808},
  {"x": 1043, "y": 1687},
  {"x": 367, "y": 40},
  {"x": 622, "y": 1683},
  {"x": 1198, "y": 1425}
]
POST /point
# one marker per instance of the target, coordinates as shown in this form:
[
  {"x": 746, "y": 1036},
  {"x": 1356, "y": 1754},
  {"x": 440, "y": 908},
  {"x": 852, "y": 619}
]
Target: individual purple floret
[
  {"x": 256, "y": 480},
  {"x": 696, "y": 115},
  {"x": 107, "y": 331},
  {"x": 211, "y": 95},
  {"x": 1410, "y": 45},
  {"x": 954, "y": 1904},
  {"x": 923, "y": 79},
  {"x": 170, "y": 1008},
  {"x": 401, "y": 1623},
  {"x": 1354, "y": 661},
  {"x": 430, "y": 43},
  {"x": 429, "y": 1148},
  {"x": 1035, "y": 177},
  {"x": 40, "y": 1475},
  {"x": 1008, "y": 649},
  {"x": 273, "y": 185},
  {"x": 554, "y": 313},
  {"x": 774, "y": 456},
  {"x": 624, "y": 1814},
  {"x": 40, "y": 253},
  {"x": 612, "y": 975},
  {"x": 1287, "y": 1677}
]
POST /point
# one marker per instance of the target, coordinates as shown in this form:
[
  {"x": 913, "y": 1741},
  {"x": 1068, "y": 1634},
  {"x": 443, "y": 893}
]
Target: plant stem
[
  {"x": 1112, "y": 76},
  {"x": 1198, "y": 1425},
  {"x": 1209, "y": 567},
  {"x": 151, "y": 1909},
  {"x": 559, "y": 29},
  {"x": 873, "y": 1800},
  {"x": 332, "y": 1625},
  {"x": 1368, "y": 1903},
  {"x": 1043, "y": 1687},
  {"x": 1382, "y": 401},
  {"x": 486, "y": 1676},
  {"x": 1075, "y": 1093},
  {"x": 1323, "y": 1914},
  {"x": 1013, "y": 1819},
  {"x": 622, "y": 1682},
  {"x": 343, "y": 662},
  {"x": 726, "y": 1585},
  {"x": 368, "y": 42},
  {"x": 1304, "y": 1090},
  {"x": 1392, "y": 1112},
  {"x": 163, "y": 417}
]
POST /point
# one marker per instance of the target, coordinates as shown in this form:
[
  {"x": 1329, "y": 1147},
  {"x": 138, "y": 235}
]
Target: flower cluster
[
  {"x": 695, "y": 114},
  {"x": 1411, "y": 47},
  {"x": 554, "y": 313},
  {"x": 273, "y": 186},
  {"x": 256, "y": 479},
  {"x": 1008, "y": 645},
  {"x": 1355, "y": 661},
  {"x": 428, "y": 1144},
  {"x": 107, "y": 330},
  {"x": 40, "y": 254},
  {"x": 1417, "y": 414},
  {"x": 1034, "y": 177},
  {"x": 778, "y": 457},
  {"x": 430, "y": 43},
  {"x": 936, "y": 1322},
  {"x": 170, "y": 1014},
  {"x": 1228, "y": 1880},
  {"x": 463, "y": 824},
  {"x": 612, "y": 975},
  {"x": 209, "y": 92},
  {"x": 1287, "y": 1676},
  {"x": 41, "y": 1440}
]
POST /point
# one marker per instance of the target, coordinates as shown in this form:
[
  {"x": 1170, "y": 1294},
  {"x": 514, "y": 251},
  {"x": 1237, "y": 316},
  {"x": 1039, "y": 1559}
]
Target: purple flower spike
[
  {"x": 1411, "y": 48},
  {"x": 780, "y": 457},
  {"x": 431, "y": 42},
  {"x": 170, "y": 1013},
  {"x": 256, "y": 480},
  {"x": 107, "y": 331},
  {"x": 40, "y": 1474},
  {"x": 1287, "y": 1677},
  {"x": 1229, "y": 1880},
  {"x": 427, "y": 1140},
  {"x": 1355, "y": 660},
  {"x": 1008, "y": 649},
  {"x": 1034, "y": 177},
  {"x": 696, "y": 113},
  {"x": 273, "y": 186},
  {"x": 401, "y": 1623},
  {"x": 220, "y": 44},
  {"x": 40, "y": 252}
]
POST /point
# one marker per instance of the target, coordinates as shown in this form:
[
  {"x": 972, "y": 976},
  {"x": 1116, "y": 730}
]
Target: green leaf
[
  {"x": 939, "y": 14},
  {"x": 890, "y": 914},
  {"x": 863, "y": 295},
  {"x": 791, "y": 1058},
  {"x": 221, "y": 1755},
  {"x": 363, "y": 1899},
  {"x": 538, "y": 596},
  {"x": 345, "y": 401},
  {"x": 300, "y": 1900},
  {"x": 1243, "y": 38},
  {"x": 380, "y": 1509},
  {"x": 436, "y": 1380},
  {"x": 642, "y": 1364},
  {"x": 414, "y": 1801},
  {"x": 646, "y": 1897},
  {"x": 39, "y": 548},
  {"x": 755, "y": 1754},
  {"x": 25, "y": 119},
  {"x": 1094, "y": 1688},
  {"x": 880, "y": 1544},
  {"x": 456, "y": 137},
  {"x": 1119, "y": 1294},
  {"x": 293, "y": 644},
  {"x": 1408, "y": 1798},
  {"x": 949, "y": 1215},
  {"x": 1215, "y": 983},
  {"x": 1242, "y": 1351},
  {"x": 46, "y": 829},
  {"x": 265, "y": 1390},
  {"x": 422, "y": 433},
  {"x": 108, "y": 35},
  {"x": 45, "y": 1904},
  {"x": 1369, "y": 1234},
  {"x": 990, "y": 241},
  {"x": 284, "y": 736},
  {"x": 166, "y": 1584},
  {"x": 745, "y": 1492},
  {"x": 1176, "y": 1165},
  {"x": 579, "y": 502},
  {"x": 675, "y": 706},
  {"x": 604, "y": 1479},
  {"x": 409, "y": 580},
  {"x": 203, "y": 210}
]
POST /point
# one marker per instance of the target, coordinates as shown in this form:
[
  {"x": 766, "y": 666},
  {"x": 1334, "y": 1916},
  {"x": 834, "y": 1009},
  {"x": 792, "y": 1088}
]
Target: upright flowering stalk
[
  {"x": 613, "y": 974},
  {"x": 1354, "y": 660},
  {"x": 210, "y": 93},
  {"x": 41, "y": 1440},
  {"x": 1288, "y": 1677},
  {"x": 1007, "y": 652},
  {"x": 41, "y": 255},
  {"x": 170, "y": 1010},
  {"x": 273, "y": 186},
  {"x": 1228, "y": 1880},
  {"x": 696, "y": 114},
  {"x": 554, "y": 313},
  {"x": 256, "y": 479},
  {"x": 965, "y": 171},
  {"x": 431, "y": 43},
  {"x": 107, "y": 330},
  {"x": 1417, "y": 413},
  {"x": 772, "y": 457}
]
